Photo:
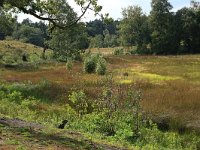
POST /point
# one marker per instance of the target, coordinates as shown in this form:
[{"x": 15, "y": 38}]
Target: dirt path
[{"x": 19, "y": 134}]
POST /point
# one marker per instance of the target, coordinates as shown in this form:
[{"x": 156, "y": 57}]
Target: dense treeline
[
  {"x": 163, "y": 31},
  {"x": 160, "y": 32}
]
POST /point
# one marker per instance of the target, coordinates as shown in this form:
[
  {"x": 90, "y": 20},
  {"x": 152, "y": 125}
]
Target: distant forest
[{"x": 162, "y": 32}]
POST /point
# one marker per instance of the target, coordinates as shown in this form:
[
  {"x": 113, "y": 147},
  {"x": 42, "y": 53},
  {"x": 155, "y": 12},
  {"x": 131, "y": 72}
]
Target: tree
[
  {"x": 95, "y": 27},
  {"x": 110, "y": 40},
  {"x": 189, "y": 30},
  {"x": 6, "y": 24},
  {"x": 97, "y": 41},
  {"x": 163, "y": 29},
  {"x": 29, "y": 34},
  {"x": 133, "y": 28},
  {"x": 107, "y": 39},
  {"x": 68, "y": 43},
  {"x": 48, "y": 10}
]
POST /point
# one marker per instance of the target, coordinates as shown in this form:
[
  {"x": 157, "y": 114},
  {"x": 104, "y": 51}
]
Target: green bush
[
  {"x": 79, "y": 101},
  {"x": 95, "y": 63},
  {"x": 101, "y": 66},
  {"x": 35, "y": 58},
  {"x": 89, "y": 65},
  {"x": 69, "y": 64},
  {"x": 119, "y": 51}
]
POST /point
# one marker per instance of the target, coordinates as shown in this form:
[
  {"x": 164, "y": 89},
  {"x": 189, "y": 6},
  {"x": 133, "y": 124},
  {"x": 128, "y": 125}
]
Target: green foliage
[
  {"x": 116, "y": 128},
  {"x": 119, "y": 51},
  {"x": 134, "y": 27},
  {"x": 94, "y": 63},
  {"x": 97, "y": 41},
  {"x": 188, "y": 30},
  {"x": 34, "y": 58},
  {"x": 101, "y": 66},
  {"x": 14, "y": 96},
  {"x": 7, "y": 23},
  {"x": 68, "y": 43},
  {"x": 164, "y": 40},
  {"x": 59, "y": 12},
  {"x": 79, "y": 101},
  {"x": 89, "y": 65},
  {"x": 69, "y": 64},
  {"x": 29, "y": 34}
]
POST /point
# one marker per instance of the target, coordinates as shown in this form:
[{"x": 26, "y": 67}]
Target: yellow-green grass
[
  {"x": 105, "y": 51},
  {"x": 13, "y": 45},
  {"x": 109, "y": 51}
]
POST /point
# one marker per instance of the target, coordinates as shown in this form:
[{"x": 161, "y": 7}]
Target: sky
[{"x": 114, "y": 7}]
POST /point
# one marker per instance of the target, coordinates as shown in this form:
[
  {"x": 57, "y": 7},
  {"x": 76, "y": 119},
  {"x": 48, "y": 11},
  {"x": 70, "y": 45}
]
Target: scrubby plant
[
  {"x": 101, "y": 66},
  {"x": 15, "y": 96},
  {"x": 79, "y": 102},
  {"x": 118, "y": 51},
  {"x": 133, "y": 103},
  {"x": 89, "y": 65},
  {"x": 95, "y": 63},
  {"x": 8, "y": 59},
  {"x": 69, "y": 64},
  {"x": 35, "y": 57}
]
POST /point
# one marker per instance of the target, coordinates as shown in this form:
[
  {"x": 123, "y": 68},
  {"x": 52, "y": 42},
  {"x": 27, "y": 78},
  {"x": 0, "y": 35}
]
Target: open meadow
[
  {"x": 170, "y": 87},
  {"x": 98, "y": 75}
]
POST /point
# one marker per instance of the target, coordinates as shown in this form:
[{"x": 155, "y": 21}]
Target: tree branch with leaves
[{"x": 57, "y": 12}]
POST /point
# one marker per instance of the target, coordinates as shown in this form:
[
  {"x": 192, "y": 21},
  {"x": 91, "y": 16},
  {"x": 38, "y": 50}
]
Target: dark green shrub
[{"x": 89, "y": 65}]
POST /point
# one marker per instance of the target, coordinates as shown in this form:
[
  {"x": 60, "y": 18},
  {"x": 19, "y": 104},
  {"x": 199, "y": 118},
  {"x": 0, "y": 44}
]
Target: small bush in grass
[
  {"x": 89, "y": 65},
  {"x": 119, "y": 51},
  {"x": 101, "y": 66},
  {"x": 69, "y": 64},
  {"x": 95, "y": 63},
  {"x": 79, "y": 100}
]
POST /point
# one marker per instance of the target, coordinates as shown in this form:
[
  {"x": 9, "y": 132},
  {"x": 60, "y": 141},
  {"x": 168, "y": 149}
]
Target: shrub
[
  {"x": 101, "y": 66},
  {"x": 95, "y": 63},
  {"x": 89, "y": 65},
  {"x": 119, "y": 51},
  {"x": 35, "y": 57},
  {"x": 133, "y": 52},
  {"x": 79, "y": 100},
  {"x": 69, "y": 64},
  {"x": 15, "y": 96},
  {"x": 8, "y": 59}
]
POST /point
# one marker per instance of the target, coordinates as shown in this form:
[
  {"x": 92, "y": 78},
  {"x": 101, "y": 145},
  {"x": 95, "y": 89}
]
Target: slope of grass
[
  {"x": 12, "y": 51},
  {"x": 13, "y": 45}
]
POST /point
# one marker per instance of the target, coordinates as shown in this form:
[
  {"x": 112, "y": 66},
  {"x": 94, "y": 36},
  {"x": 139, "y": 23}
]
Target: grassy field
[{"x": 170, "y": 85}]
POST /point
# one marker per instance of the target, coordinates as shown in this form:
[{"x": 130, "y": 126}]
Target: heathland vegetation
[{"x": 104, "y": 84}]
